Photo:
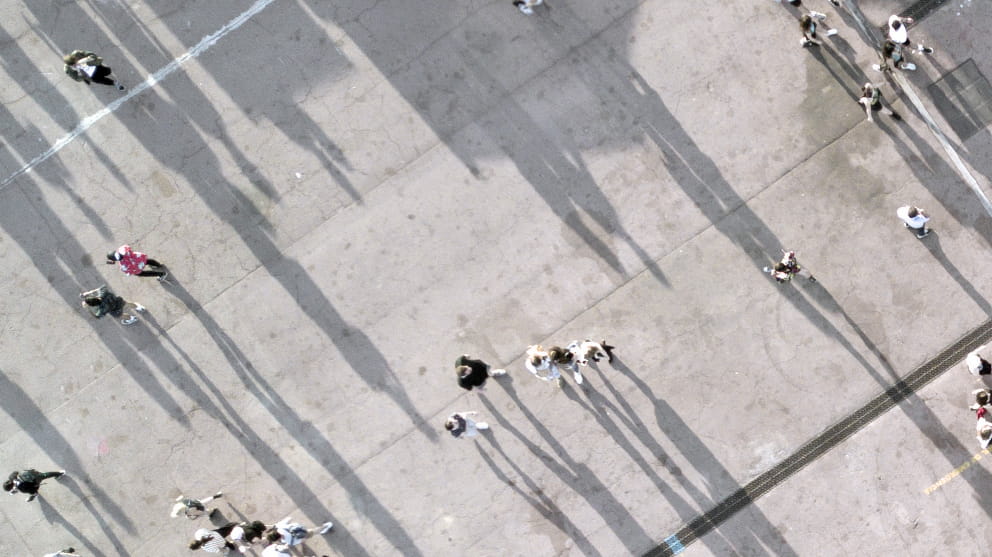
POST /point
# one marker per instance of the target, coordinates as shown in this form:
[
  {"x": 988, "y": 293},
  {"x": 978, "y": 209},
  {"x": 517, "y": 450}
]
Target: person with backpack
[
  {"x": 871, "y": 99},
  {"x": 86, "y": 66}
]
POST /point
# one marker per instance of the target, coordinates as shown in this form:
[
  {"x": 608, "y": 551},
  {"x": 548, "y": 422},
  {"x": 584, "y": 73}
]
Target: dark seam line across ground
[{"x": 818, "y": 446}]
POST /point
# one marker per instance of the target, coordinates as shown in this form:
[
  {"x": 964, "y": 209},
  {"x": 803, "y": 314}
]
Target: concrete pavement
[{"x": 350, "y": 196}]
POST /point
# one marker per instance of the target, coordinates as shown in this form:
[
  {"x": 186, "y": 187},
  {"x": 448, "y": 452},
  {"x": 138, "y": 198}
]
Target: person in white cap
[
  {"x": 978, "y": 365},
  {"x": 914, "y": 219},
  {"x": 900, "y": 35}
]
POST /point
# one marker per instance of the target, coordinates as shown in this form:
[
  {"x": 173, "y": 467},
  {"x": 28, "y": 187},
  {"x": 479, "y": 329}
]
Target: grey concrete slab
[{"x": 394, "y": 185}]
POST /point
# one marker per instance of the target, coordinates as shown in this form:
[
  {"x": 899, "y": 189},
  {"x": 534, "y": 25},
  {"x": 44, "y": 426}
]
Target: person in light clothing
[
  {"x": 914, "y": 219},
  {"x": 977, "y": 365},
  {"x": 461, "y": 426}
]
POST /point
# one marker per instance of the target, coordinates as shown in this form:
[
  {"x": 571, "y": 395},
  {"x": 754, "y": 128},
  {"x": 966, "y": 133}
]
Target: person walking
[
  {"x": 101, "y": 301},
  {"x": 67, "y": 552},
  {"x": 28, "y": 481},
  {"x": 978, "y": 365},
  {"x": 788, "y": 267},
  {"x": 526, "y": 6},
  {"x": 194, "y": 508},
  {"x": 899, "y": 34},
  {"x": 473, "y": 373},
  {"x": 461, "y": 426},
  {"x": 247, "y": 533},
  {"x": 292, "y": 533},
  {"x": 871, "y": 99},
  {"x": 213, "y": 541},
  {"x": 914, "y": 219},
  {"x": 808, "y": 25},
  {"x": 135, "y": 263},
  {"x": 983, "y": 428},
  {"x": 892, "y": 51},
  {"x": 86, "y": 66}
]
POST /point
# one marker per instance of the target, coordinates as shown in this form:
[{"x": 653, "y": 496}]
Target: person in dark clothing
[
  {"x": 101, "y": 301},
  {"x": 473, "y": 373},
  {"x": 85, "y": 66},
  {"x": 247, "y": 533},
  {"x": 28, "y": 481}
]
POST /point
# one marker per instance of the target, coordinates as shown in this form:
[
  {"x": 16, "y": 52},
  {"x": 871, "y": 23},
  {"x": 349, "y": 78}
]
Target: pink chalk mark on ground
[{"x": 102, "y": 448}]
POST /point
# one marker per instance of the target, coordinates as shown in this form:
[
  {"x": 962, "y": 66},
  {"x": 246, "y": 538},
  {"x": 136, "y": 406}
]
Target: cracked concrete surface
[{"x": 351, "y": 195}]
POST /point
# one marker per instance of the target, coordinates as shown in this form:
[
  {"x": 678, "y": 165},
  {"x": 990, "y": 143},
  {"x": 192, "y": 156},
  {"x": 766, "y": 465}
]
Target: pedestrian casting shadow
[
  {"x": 535, "y": 496},
  {"x": 472, "y": 97},
  {"x": 54, "y": 517},
  {"x": 25, "y": 141},
  {"x": 575, "y": 475},
  {"x": 306, "y": 435},
  {"x": 928, "y": 164},
  {"x": 753, "y": 535},
  {"x": 16, "y": 403},
  {"x": 917, "y": 411}
]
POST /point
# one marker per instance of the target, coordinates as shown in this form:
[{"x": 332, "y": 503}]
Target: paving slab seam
[{"x": 824, "y": 442}]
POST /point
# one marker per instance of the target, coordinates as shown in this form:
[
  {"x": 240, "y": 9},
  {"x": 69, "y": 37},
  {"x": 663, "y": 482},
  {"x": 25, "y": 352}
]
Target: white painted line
[
  {"x": 201, "y": 47},
  {"x": 907, "y": 88}
]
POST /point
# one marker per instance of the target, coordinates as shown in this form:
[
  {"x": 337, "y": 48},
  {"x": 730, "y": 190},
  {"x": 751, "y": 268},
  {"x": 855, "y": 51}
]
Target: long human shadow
[
  {"x": 23, "y": 139},
  {"x": 18, "y": 405},
  {"x": 576, "y": 475},
  {"x": 754, "y": 535},
  {"x": 915, "y": 409},
  {"x": 55, "y": 517},
  {"x": 932, "y": 243},
  {"x": 535, "y": 496},
  {"x": 308, "y": 437},
  {"x": 471, "y": 94},
  {"x": 233, "y": 207},
  {"x": 211, "y": 400},
  {"x": 926, "y": 163}
]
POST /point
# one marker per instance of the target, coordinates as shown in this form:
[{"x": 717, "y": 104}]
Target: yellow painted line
[{"x": 957, "y": 471}]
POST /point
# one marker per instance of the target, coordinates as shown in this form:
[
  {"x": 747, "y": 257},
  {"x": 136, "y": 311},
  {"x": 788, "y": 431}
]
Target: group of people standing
[{"x": 543, "y": 364}]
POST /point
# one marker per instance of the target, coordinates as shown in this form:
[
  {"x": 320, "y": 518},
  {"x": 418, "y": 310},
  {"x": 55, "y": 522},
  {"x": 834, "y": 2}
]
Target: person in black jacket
[
  {"x": 28, "y": 481},
  {"x": 101, "y": 301},
  {"x": 473, "y": 373}
]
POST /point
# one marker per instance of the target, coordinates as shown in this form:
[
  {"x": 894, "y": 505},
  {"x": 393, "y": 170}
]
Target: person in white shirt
[
  {"x": 67, "y": 552},
  {"x": 900, "y": 35},
  {"x": 983, "y": 428},
  {"x": 914, "y": 219},
  {"x": 982, "y": 398},
  {"x": 292, "y": 533},
  {"x": 526, "y": 6},
  {"x": 978, "y": 365}
]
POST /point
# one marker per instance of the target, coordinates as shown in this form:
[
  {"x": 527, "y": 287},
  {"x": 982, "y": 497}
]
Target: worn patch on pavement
[
  {"x": 833, "y": 436},
  {"x": 964, "y": 97}
]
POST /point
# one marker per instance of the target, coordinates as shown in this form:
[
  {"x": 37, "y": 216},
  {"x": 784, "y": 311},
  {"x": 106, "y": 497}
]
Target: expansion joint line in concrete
[{"x": 818, "y": 446}]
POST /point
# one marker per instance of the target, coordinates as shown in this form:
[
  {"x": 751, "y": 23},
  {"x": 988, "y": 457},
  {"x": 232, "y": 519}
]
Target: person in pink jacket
[{"x": 136, "y": 263}]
